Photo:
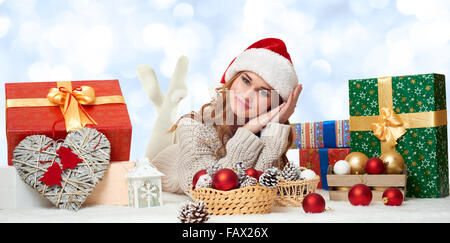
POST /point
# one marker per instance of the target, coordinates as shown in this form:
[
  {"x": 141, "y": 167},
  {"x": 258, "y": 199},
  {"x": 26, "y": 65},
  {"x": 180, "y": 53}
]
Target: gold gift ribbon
[
  {"x": 69, "y": 100},
  {"x": 389, "y": 126}
]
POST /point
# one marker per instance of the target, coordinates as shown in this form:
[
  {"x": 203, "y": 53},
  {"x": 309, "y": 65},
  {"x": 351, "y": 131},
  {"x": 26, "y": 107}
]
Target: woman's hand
[
  {"x": 279, "y": 114},
  {"x": 288, "y": 107},
  {"x": 257, "y": 123}
]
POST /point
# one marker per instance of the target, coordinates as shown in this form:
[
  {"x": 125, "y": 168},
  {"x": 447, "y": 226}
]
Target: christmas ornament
[
  {"x": 360, "y": 194},
  {"x": 213, "y": 168},
  {"x": 144, "y": 185},
  {"x": 250, "y": 181},
  {"x": 394, "y": 162},
  {"x": 392, "y": 197},
  {"x": 313, "y": 203},
  {"x": 205, "y": 181},
  {"x": 52, "y": 176},
  {"x": 69, "y": 160},
  {"x": 375, "y": 166},
  {"x": 342, "y": 188},
  {"x": 193, "y": 212},
  {"x": 379, "y": 188},
  {"x": 253, "y": 173},
  {"x": 291, "y": 172},
  {"x": 225, "y": 179},
  {"x": 270, "y": 178},
  {"x": 240, "y": 172},
  {"x": 197, "y": 176},
  {"x": 64, "y": 172},
  {"x": 341, "y": 167},
  {"x": 307, "y": 174},
  {"x": 357, "y": 162}
]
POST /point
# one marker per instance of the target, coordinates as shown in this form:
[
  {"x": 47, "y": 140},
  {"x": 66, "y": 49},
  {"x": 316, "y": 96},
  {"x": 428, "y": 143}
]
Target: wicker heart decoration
[{"x": 65, "y": 172}]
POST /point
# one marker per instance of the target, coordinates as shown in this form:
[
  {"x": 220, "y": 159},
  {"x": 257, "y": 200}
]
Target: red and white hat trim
[{"x": 276, "y": 70}]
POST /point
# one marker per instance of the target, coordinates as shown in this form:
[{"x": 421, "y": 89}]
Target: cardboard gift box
[
  {"x": 318, "y": 160},
  {"x": 37, "y": 108},
  {"x": 408, "y": 114},
  {"x": 322, "y": 134},
  {"x": 113, "y": 188}
]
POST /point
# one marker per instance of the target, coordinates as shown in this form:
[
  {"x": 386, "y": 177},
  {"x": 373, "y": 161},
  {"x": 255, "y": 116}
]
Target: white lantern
[{"x": 144, "y": 185}]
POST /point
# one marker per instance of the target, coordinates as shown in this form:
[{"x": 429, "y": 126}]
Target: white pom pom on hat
[{"x": 269, "y": 59}]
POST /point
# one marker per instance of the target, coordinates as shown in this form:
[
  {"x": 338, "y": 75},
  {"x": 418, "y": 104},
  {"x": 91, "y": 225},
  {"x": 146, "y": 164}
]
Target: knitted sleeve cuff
[
  {"x": 275, "y": 135},
  {"x": 244, "y": 146}
]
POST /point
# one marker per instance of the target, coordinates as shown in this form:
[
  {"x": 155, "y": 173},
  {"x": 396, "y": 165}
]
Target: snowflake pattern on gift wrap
[
  {"x": 362, "y": 96},
  {"x": 423, "y": 165},
  {"x": 429, "y": 130},
  {"x": 419, "y": 145},
  {"x": 365, "y": 146},
  {"x": 374, "y": 104},
  {"x": 417, "y": 91},
  {"x": 425, "y": 150}
]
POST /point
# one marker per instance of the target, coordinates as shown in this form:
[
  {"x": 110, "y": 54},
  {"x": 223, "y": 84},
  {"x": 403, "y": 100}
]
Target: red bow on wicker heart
[{"x": 65, "y": 172}]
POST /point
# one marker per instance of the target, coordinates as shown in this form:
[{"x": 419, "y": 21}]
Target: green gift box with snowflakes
[{"x": 406, "y": 114}]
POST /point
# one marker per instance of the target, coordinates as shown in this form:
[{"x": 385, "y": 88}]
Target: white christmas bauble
[
  {"x": 341, "y": 167},
  {"x": 307, "y": 174},
  {"x": 204, "y": 181}
]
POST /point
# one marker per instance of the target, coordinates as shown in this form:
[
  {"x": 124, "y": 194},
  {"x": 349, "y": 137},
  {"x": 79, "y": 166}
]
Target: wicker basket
[
  {"x": 247, "y": 200},
  {"x": 291, "y": 193}
]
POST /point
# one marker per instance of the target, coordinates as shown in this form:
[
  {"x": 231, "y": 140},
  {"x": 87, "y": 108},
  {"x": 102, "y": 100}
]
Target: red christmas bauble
[
  {"x": 225, "y": 179},
  {"x": 253, "y": 173},
  {"x": 360, "y": 194},
  {"x": 313, "y": 203},
  {"x": 392, "y": 197},
  {"x": 196, "y": 176},
  {"x": 259, "y": 174},
  {"x": 375, "y": 166}
]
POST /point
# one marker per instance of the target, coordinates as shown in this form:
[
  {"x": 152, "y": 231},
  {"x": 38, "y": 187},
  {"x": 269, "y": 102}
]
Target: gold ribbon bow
[
  {"x": 70, "y": 102},
  {"x": 390, "y": 128}
]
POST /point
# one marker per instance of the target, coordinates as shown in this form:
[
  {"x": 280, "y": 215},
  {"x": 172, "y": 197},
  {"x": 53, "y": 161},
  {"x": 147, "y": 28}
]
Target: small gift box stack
[{"x": 321, "y": 144}]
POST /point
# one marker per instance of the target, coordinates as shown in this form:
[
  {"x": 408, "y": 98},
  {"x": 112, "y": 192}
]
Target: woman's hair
[{"x": 223, "y": 129}]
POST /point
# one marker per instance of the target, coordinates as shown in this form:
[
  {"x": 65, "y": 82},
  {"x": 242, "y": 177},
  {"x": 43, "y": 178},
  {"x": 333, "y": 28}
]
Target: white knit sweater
[{"x": 197, "y": 144}]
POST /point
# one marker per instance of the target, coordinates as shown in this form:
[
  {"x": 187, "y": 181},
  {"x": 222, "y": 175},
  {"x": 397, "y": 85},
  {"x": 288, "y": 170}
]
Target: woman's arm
[
  {"x": 275, "y": 134},
  {"x": 275, "y": 138},
  {"x": 195, "y": 154}
]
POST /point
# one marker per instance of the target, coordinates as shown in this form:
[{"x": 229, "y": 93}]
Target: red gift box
[
  {"x": 28, "y": 114},
  {"x": 318, "y": 160}
]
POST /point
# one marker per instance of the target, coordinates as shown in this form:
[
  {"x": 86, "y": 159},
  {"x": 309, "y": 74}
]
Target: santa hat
[{"x": 270, "y": 60}]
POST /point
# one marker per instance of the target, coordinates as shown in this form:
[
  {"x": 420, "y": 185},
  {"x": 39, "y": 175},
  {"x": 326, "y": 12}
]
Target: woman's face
[{"x": 251, "y": 96}]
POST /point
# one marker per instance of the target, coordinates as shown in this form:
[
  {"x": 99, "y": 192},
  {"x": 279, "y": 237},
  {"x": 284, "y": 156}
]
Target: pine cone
[
  {"x": 250, "y": 181},
  {"x": 240, "y": 172},
  {"x": 270, "y": 178},
  {"x": 213, "y": 168},
  {"x": 194, "y": 212},
  {"x": 204, "y": 181},
  {"x": 291, "y": 173}
]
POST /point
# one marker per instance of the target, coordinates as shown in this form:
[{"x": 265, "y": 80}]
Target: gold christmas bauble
[
  {"x": 357, "y": 161},
  {"x": 394, "y": 162},
  {"x": 342, "y": 188},
  {"x": 379, "y": 188}
]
